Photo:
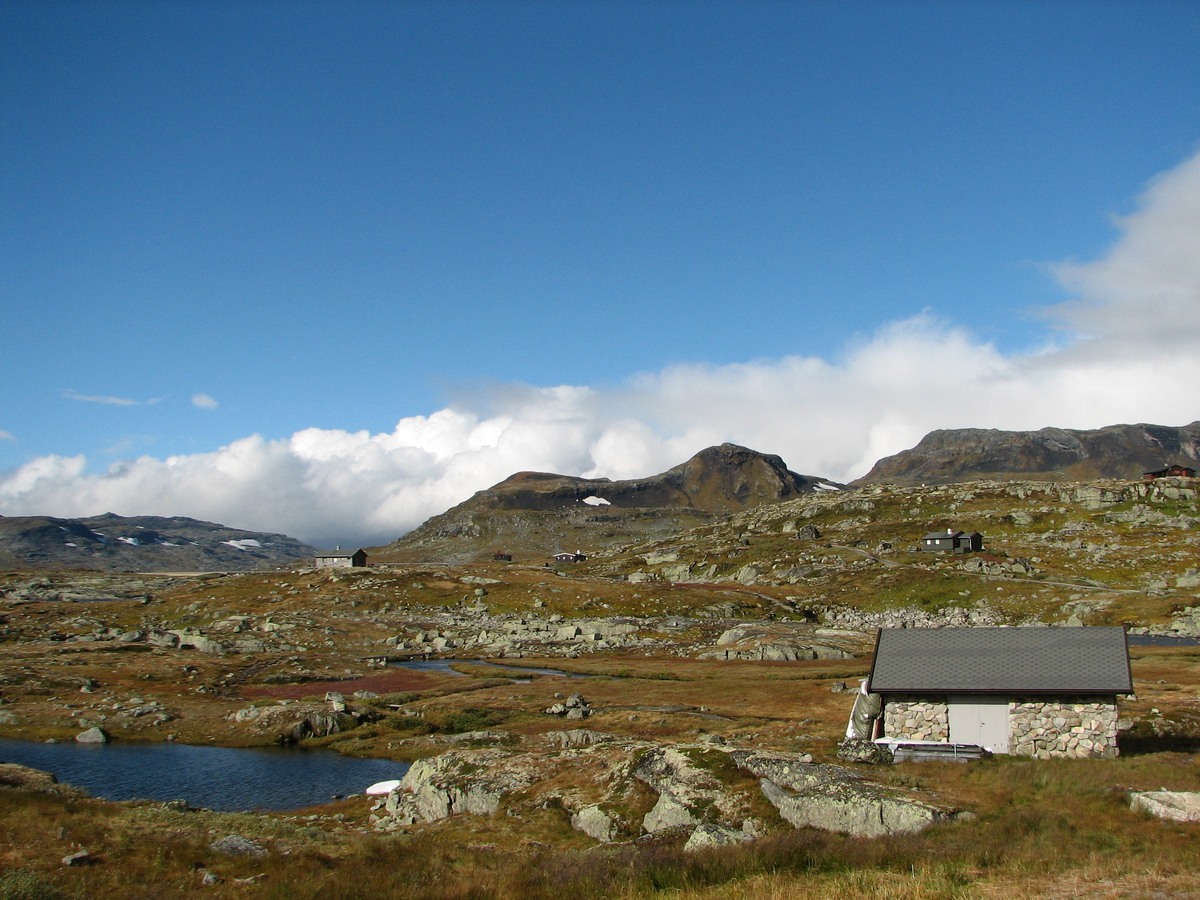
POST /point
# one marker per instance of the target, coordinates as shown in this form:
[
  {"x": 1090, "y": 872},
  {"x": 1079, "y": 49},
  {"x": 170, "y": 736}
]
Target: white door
[{"x": 980, "y": 720}]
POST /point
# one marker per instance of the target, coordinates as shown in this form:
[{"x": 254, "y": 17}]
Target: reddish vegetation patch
[{"x": 392, "y": 682}]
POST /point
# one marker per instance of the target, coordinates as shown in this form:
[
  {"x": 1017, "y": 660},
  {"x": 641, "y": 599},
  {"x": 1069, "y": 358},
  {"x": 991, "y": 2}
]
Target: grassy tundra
[{"x": 1058, "y": 828}]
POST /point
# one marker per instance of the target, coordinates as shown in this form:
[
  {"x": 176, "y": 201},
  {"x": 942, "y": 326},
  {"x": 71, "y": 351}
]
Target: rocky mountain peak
[
  {"x": 729, "y": 477},
  {"x": 542, "y": 512}
]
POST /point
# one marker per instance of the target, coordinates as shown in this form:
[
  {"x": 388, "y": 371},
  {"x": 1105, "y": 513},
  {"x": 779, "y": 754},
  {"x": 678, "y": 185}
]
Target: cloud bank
[{"x": 1127, "y": 350}]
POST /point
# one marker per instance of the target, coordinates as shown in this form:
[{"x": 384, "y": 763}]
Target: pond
[
  {"x": 1161, "y": 640},
  {"x": 218, "y": 778},
  {"x": 444, "y": 666}
]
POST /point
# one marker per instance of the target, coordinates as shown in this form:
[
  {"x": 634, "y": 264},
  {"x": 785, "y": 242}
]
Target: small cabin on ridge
[
  {"x": 341, "y": 559},
  {"x": 952, "y": 541},
  {"x": 1172, "y": 471}
]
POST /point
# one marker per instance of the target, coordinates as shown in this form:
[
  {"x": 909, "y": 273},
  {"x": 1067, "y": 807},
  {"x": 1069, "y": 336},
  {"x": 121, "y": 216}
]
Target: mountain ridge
[
  {"x": 113, "y": 543},
  {"x": 945, "y": 456}
]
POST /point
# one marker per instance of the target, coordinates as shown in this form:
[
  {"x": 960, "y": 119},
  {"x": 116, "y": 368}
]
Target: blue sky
[{"x": 329, "y": 268}]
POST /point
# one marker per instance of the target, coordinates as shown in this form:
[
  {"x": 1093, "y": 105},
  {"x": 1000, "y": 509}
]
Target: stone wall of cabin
[
  {"x": 1084, "y": 727},
  {"x": 914, "y": 718}
]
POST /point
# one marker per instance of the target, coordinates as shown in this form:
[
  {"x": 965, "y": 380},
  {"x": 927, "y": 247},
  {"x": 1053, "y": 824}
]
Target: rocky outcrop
[
  {"x": 911, "y": 617},
  {"x": 290, "y": 723},
  {"x": 505, "y": 635},
  {"x": 687, "y": 792},
  {"x": 696, "y": 788},
  {"x": 998, "y": 567},
  {"x": 781, "y": 642}
]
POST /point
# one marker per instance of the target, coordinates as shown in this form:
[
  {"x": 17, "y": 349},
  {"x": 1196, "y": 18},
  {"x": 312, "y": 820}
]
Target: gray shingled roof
[{"x": 1001, "y": 660}]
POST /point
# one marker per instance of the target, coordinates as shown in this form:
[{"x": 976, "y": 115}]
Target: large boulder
[
  {"x": 1177, "y": 806},
  {"x": 458, "y": 781},
  {"x": 668, "y": 812},
  {"x": 293, "y": 722},
  {"x": 95, "y": 735},
  {"x": 595, "y": 823},
  {"x": 834, "y": 798},
  {"x": 859, "y": 810}
]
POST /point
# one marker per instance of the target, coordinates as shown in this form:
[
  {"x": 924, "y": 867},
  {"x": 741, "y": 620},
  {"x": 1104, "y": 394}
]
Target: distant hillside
[
  {"x": 534, "y": 515},
  {"x": 1116, "y": 451},
  {"x": 111, "y": 543}
]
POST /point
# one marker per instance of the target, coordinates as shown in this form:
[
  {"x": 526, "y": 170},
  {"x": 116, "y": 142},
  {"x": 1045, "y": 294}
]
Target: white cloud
[
  {"x": 1145, "y": 293},
  {"x": 7, "y": 435},
  {"x": 107, "y": 400},
  {"x": 1130, "y": 352},
  {"x": 204, "y": 401}
]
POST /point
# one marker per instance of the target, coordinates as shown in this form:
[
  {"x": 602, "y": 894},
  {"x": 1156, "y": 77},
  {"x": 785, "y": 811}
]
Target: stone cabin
[
  {"x": 341, "y": 559},
  {"x": 1172, "y": 471},
  {"x": 569, "y": 557},
  {"x": 1037, "y": 691},
  {"x": 953, "y": 541}
]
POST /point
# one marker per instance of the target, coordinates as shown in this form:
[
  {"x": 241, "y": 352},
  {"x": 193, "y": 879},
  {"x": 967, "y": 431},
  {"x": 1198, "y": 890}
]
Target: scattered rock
[
  {"x": 710, "y": 835},
  {"x": 574, "y": 707},
  {"x": 576, "y": 737},
  {"x": 595, "y": 823},
  {"x": 236, "y": 845}
]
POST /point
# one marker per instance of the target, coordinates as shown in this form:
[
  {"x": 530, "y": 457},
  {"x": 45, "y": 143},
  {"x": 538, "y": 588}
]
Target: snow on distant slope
[{"x": 245, "y": 544}]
